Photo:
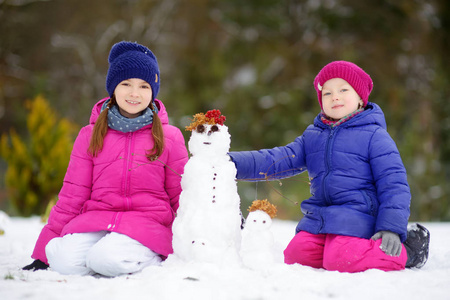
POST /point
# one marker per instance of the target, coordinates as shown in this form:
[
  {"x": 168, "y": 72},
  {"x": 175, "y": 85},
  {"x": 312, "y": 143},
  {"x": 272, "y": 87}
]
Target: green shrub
[{"x": 37, "y": 163}]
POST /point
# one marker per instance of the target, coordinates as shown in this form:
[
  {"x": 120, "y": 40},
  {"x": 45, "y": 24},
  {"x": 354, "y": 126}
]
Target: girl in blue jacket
[{"x": 357, "y": 216}]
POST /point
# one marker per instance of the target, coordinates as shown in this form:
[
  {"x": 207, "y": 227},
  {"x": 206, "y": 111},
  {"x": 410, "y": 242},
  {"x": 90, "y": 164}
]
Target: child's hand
[
  {"x": 36, "y": 265},
  {"x": 390, "y": 244}
]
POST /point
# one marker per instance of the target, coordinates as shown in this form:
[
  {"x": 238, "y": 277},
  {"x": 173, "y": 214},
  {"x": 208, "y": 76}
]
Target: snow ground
[{"x": 212, "y": 282}]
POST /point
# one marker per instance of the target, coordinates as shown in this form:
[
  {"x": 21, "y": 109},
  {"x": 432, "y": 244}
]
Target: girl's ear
[{"x": 361, "y": 103}]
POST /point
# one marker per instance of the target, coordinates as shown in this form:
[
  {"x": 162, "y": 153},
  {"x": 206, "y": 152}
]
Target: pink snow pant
[
  {"x": 109, "y": 254},
  {"x": 341, "y": 253}
]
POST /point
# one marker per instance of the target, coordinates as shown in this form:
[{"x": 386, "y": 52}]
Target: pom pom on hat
[
  {"x": 354, "y": 75},
  {"x": 132, "y": 60}
]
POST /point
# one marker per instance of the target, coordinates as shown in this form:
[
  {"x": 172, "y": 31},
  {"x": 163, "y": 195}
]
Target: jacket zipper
[
  {"x": 113, "y": 224},
  {"x": 326, "y": 177},
  {"x": 328, "y": 164},
  {"x": 125, "y": 187},
  {"x": 126, "y": 190}
]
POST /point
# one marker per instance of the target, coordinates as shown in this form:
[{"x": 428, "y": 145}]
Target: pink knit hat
[{"x": 354, "y": 75}]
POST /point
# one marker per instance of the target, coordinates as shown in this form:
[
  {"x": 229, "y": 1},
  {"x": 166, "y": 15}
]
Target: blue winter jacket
[{"x": 358, "y": 181}]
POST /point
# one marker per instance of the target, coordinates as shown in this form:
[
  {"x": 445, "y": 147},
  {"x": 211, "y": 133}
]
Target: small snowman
[
  {"x": 207, "y": 225},
  {"x": 257, "y": 238}
]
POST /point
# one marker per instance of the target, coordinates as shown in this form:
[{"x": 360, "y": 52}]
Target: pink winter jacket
[{"x": 120, "y": 190}]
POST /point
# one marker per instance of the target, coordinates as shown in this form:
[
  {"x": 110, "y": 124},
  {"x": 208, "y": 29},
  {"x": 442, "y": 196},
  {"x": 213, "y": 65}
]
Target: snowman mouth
[{"x": 206, "y": 143}]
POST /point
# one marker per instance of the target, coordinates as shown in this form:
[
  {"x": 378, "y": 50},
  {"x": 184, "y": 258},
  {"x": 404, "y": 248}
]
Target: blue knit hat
[{"x": 131, "y": 60}]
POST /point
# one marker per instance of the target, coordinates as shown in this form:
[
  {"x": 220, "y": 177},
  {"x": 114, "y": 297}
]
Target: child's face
[
  {"x": 339, "y": 98},
  {"x": 133, "y": 96}
]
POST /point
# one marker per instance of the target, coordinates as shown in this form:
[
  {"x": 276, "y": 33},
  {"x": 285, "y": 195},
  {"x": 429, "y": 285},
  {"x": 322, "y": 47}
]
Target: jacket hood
[
  {"x": 162, "y": 113},
  {"x": 372, "y": 115}
]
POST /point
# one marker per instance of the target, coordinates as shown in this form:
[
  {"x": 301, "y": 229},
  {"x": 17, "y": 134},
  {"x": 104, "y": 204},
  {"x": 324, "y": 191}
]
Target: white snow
[{"x": 206, "y": 281}]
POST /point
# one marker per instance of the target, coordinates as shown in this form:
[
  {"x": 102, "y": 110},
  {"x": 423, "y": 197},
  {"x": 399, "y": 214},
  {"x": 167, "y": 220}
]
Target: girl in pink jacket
[{"x": 120, "y": 193}]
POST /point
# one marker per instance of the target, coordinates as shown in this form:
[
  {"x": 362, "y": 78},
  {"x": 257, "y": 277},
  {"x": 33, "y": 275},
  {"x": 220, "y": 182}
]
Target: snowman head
[
  {"x": 209, "y": 135},
  {"x": 260, "y": 216},
  {"x": 258, "y": 220}
]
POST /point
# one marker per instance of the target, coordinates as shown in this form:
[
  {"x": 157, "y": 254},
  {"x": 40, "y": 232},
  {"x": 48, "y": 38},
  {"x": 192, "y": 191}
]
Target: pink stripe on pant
[{"x": 341, "y": 253}]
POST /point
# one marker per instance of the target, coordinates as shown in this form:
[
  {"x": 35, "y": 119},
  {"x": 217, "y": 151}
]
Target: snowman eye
[
  {"x": 214, "y": 128},
  {"x": 200, "y": 128}
]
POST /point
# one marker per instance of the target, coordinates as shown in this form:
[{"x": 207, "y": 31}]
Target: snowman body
[{"x": 207, "y": 226}]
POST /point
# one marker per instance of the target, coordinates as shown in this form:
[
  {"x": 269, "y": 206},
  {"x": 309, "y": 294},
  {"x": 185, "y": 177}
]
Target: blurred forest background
[{"x": 255, "y": 60}]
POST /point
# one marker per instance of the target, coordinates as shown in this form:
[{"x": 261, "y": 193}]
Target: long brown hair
[{"x": 101, "y": 128}]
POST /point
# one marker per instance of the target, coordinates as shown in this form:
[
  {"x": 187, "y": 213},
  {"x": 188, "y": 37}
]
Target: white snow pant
[{"x": 105, "y": 253}]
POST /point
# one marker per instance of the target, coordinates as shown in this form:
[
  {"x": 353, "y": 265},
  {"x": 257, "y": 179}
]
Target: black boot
[{"x": 417, "y": 245}]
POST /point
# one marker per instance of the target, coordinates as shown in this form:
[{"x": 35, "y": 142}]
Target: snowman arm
[{"x": 270, "y": 164}]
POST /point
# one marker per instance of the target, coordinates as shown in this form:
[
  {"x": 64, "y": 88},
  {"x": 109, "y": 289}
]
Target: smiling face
[
  {"x": 339, "y": 99},
  {"x": 133, "y": 96},
  {"x": 210, "y": 140}
]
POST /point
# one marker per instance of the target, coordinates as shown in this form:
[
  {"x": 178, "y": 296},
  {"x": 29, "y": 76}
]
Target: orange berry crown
[{"x": 211, "y": 117}]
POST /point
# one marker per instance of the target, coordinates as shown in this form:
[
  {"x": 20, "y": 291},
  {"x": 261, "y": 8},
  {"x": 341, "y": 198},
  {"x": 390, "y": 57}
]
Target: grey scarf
[{"x": 118, "y": 122}]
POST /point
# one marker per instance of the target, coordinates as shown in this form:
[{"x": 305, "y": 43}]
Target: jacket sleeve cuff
[
  {"x": 393, "y": 220},
  {"x": 245, "y": 165},
  {"x": 39, "y": 250}
]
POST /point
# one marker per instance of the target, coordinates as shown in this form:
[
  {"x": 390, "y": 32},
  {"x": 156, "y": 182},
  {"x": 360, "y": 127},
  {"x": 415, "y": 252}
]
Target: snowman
[
  {"x": 257, "y": 238},
  {"x": 207, "y": 225}
]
